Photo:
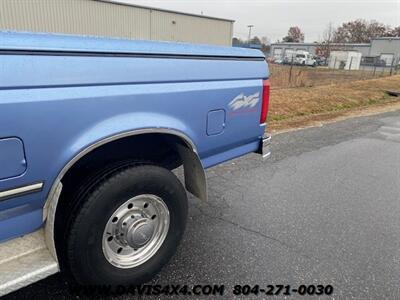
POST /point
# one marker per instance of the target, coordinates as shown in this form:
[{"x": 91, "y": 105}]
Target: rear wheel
[{"x": 127, "y": 226}]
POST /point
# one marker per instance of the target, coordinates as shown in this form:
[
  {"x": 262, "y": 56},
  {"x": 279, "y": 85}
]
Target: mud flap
[{"x": 195, "y": 177}]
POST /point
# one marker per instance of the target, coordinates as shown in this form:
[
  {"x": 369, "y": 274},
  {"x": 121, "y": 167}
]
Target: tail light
[{"x": 265, "y": 101}]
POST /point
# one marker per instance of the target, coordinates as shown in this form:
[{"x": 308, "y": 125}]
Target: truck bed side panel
[{"x": 59, "y": 105}]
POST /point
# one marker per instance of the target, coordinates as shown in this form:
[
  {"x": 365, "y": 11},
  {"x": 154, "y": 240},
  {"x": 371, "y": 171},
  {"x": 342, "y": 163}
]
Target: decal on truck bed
[{"x": 242, "y": 101}]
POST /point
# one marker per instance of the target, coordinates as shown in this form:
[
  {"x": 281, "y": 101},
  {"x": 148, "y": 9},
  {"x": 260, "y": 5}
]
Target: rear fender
[{"x": 195, "y": 179}]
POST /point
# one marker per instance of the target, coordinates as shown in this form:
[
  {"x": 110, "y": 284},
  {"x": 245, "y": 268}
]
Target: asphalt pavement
[{"x": 325, "y": 209}]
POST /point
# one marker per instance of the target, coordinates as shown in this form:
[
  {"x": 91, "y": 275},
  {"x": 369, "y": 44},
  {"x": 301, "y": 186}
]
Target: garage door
[{"x": 277, "y": 52}]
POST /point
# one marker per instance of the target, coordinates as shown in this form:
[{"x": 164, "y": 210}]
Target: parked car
[
  {"x": 288, "y": 60},
  {"x": 381, "y": 63},
  {"x": 320, "y": 60},
  {"x": 90, "y": 130},
  {"x": 304, "y": 58}
]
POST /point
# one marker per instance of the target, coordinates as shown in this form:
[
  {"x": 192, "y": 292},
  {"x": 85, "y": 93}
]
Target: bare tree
[
  {"x": 265, "y": 40},
  {"x": 255, "y": 40},
  {"x": 376, "y": 29},
  {"x": 361, "y": 31},
  {"x": 352, "y": 32},
  {"x": 328, "y": 33},
  {"x": 295, "y": 35},
  {"x": 325, "y": 46},
  {"x": 265, "y": 44},
  {"x": 394, "y": 32},
  {"x": 237, "y": 41}
]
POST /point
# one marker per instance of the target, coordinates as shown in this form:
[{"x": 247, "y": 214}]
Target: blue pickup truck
[{"x": 90, "y": 131}]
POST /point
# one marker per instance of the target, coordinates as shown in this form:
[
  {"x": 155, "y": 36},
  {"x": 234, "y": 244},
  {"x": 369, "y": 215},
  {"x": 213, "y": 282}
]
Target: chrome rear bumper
[{"x": 264, "y": 148}]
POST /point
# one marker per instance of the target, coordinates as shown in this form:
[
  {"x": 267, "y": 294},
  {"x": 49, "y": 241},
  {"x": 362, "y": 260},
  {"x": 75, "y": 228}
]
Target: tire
[{"x": 93, "y": 239}]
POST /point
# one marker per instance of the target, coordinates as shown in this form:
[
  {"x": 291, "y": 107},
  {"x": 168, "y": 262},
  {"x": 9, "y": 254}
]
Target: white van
[{"x": 304, "y": 58}]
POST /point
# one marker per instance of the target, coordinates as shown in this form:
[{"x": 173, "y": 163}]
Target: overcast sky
[{"x": 272, "y": 18}]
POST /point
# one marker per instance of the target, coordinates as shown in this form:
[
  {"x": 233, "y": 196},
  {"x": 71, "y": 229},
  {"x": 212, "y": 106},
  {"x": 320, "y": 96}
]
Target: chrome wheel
[{"x": 135, "y": 231}]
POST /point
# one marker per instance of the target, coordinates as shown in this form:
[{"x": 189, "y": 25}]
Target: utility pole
[{"x": 250, "y": 26}]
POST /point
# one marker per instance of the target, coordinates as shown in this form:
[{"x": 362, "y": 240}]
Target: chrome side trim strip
[{"x": 22, "y": 190}]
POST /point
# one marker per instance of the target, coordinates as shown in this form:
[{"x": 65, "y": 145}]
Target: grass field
[
  {"x": 308, "y": 76},
  {"x": 296, "y": 107}
]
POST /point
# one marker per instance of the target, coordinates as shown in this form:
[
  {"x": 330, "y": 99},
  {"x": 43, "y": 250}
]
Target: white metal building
[
  {"x": 113, "y": 19},
  {"x": 347, "y": 60},
  {"x": 278, "y": 50},
  {"x": 386, "y": 49}
]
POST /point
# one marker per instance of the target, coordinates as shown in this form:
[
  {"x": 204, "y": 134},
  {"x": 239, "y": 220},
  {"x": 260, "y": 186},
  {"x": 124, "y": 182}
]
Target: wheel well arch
[{"x": 173, "y": 149}]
